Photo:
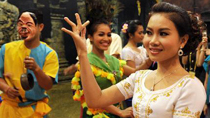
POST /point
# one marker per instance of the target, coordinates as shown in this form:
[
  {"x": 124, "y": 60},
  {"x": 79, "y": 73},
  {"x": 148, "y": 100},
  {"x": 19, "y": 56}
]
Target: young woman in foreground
[
  {"x": 107, "y": 69},
  {"x": 167, "y": 92}
]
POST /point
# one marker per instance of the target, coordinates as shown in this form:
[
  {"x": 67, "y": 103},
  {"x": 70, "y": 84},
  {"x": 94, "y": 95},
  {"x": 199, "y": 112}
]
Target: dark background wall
[
  {"x": 198, "y": 6},
  {"x": 130, "y": 11}
]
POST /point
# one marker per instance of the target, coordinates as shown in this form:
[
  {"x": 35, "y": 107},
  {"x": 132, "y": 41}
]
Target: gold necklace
[{"x": 154, "y": 84}]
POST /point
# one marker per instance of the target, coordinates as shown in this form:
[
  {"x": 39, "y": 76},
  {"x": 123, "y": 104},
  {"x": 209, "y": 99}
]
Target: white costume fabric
[
  {"x": 114, "y": 48},
  {"x": 132, "y": 55},
  {"x": 183, "y": 99}
]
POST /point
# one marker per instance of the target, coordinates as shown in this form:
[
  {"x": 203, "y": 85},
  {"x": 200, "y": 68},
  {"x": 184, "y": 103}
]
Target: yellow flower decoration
[
  {"x": 100, "y": 115},
  {"x": 76, "y": 87},
  {"x": 98, "y": 73},
  {"x": 74, "y": 83},
  {"x": 89, "y": 113},
  {"x": 95, "y": 71},
  {"x": 121, "y": 69},
  {"x": 96, "y": 111},
  {"x": 77, "y": 79},
  {"x": 84, "y": 104},
  {"x": 122, "y": 63},
  {"x": 77, "y": 74},
  {"x": 78, "y": 67},
  {"x": 79, "y": 95},
  {"x": 104, "y": 74}
]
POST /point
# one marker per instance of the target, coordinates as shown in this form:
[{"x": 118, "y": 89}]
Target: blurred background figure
[
  {"x": 194, "y": 60},
  {"x": 135, "y": 56}
]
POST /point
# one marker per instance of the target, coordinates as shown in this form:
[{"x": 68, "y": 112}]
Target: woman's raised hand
[{"x": 78, "y": 34}]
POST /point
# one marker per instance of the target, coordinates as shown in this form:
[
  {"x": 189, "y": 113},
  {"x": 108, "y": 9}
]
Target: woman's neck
[
  {"x": 131, "y": 43},
  {"x": 99, "y": 53},
  {"x": 170, "y": 65}
]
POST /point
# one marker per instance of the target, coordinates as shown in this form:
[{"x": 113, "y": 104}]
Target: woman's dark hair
[
  {"x": 130, "y": 27},
  {"x": 100, "y": 12},
  {"x": 92, "y": 27},
  {"x": 35, "y": 14},
  {"x": 182, "y": 22},
  {"x": 195, "y": 27}
]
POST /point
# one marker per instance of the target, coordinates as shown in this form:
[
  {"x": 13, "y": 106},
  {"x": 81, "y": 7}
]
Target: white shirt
[
  {"x": 183, "y": 99},
  {"x": 132, "y": 55}
]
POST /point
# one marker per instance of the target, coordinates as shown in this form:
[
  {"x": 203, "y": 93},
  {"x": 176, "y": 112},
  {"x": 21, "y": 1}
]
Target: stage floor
[{"x": 62, "y": 103}]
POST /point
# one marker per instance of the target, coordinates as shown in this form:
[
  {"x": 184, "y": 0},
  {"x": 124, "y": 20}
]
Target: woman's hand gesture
[{"x": 78, "y": 34}]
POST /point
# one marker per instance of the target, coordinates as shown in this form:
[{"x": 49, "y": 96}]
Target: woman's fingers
[
  {"x": 80, "y": 26},
  {"x": 78, "y": 30},
  {"x": 69, "y": 22},
  {"x": 83, "y": 33},
  {"x": 85, "y": 24},
  {"x": 75, "y": 28},
  {"x": 79, "y": 23},
  {"x": 67, "y": 31}
]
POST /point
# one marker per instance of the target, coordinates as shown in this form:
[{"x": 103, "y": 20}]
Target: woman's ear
[
  {"x": 184, "y": 40},
  {"x": 91, "y": 38},
  {"x": 130, "y": 35}
]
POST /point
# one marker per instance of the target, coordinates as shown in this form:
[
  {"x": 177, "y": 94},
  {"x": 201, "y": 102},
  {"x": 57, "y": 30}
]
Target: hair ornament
[{"x": 124, "y": 28}]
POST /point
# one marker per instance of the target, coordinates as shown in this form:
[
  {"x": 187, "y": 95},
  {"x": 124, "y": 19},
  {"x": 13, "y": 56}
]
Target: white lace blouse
[
  {"x": 129, "y": 54},
  {"x": 183, "y": 99}
]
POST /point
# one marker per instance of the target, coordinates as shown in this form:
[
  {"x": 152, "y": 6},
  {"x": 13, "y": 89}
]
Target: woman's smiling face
[
  {"x": 162, "y": 39},
  {"x": 101, "y": 39}
]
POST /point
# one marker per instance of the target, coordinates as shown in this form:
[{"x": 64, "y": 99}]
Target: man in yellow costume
[{"x": 29, "y": 55}]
